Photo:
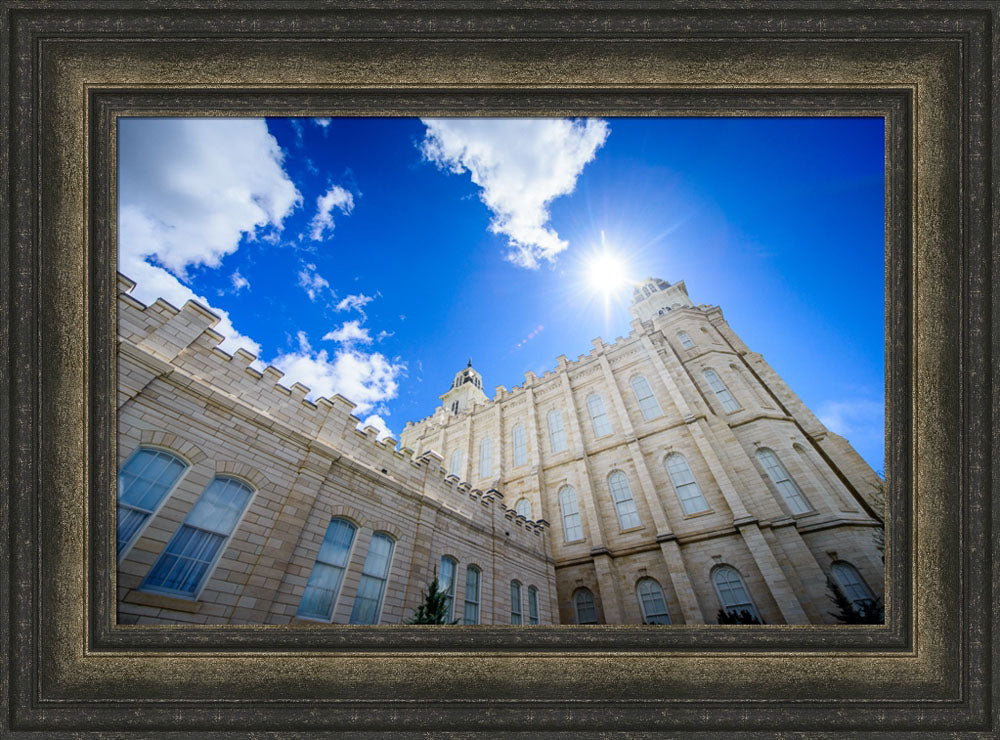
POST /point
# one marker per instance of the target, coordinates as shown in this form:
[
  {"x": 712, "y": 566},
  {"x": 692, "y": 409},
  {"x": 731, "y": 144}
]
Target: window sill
[
  {"x": 632, "y": 529},
  {"x": 163, "y": 601},
  {"x": 697, "y": 514}
]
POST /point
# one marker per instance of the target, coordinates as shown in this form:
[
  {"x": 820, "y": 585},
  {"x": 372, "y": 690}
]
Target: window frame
[
  {"x": 614, "y": 490},
  {"x": 642, "y": 603},
  {"x": 486, "y": 457},
  {"x": 344, "y": 569},
  {"x": 584, "y": 591},
  {"x": 516, "y": 615},
  {"x": 455, "y": 466},
  {"x": 473, "y": 568},
  {"x": 532, "y": 605},
  {"x": 685, "y": 339},
  {"x": 564, "y": 515},
  {"x": 796, "y": 490},
  {"x": 603, "y": 416},
  {"x": 559, "y": 433},
  {"x": 384, "y": 580},
  {"x": 721, "y": 390},
  {"x": 168, "y": 492},
  {"x": 450, "y": 590},
  {"x": 723, "y": 568},
  {"x": 523, "y": 503},
  {"x": 868, "y": 600},
  {"x": 519, "y": 443},
  {"x": 677, "y": 488},
  {"x": 643, "y": 401}
]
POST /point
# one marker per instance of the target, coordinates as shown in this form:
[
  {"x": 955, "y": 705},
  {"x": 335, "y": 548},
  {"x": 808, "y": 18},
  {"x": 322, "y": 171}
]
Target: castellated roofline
[{"x": 179, "y": 346}]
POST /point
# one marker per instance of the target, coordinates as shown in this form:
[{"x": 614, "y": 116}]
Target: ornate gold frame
[{"x": 69, "y": 70}]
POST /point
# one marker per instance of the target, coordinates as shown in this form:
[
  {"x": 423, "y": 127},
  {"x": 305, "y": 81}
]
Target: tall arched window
[
  {"x": 447, "y": 583},
  {"x": 648, "y": 404},
  {"x": 143, "y": 484},
  {"x": 796, "y": 502},
  {"x": 729, "y": 403},
  {"x": 852, "y": 584},
  {"x": 515, "y": 603},
  {"x": 583, "y": 603},
  {"x": 688, "y": 492},
  {"x": 523, "y": 507},
  {"x": 532, "y": 605},
  {"x": 572, "y": 527},
  {"x": 654, "y": 606},
  {"x": 598, "y": 416},
  {"x": 732, "y": 592},
  {"x": 520, "y": 445},
  {"x": 368, "y": 603},
  {"x": 183, "y": 566},
  {"x": 486, "y": 458},
  {"x": 621, "y": 492},
  {"x": 684, "y": 338},
  {"x": 456, "y": 462},
  {"x": 473, "y": 586},
  {"x": 320, "y": 596},
  {"x": 557, "y": 435}
]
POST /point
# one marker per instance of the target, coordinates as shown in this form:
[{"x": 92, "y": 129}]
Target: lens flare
[{"x": 606, "y": 273}]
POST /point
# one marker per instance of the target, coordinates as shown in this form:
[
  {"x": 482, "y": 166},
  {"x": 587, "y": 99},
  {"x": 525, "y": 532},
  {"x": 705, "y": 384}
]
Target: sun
[{"x": 606, "y": 273}]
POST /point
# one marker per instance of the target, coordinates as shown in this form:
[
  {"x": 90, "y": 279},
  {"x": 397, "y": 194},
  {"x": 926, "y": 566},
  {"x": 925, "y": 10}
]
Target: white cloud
[
  {"x": 349, "y": 333},
  {"x": 356, "y": 302},
  {"x": 322, "y": 122},
  {"x": 385, "y": 335},
  {"x": 521, "y": 166},
  {"x": 861, "y": 422},
  {"x": 312, "y": 282},
  {"x": 368, "y": 380},
  {"x": 190, "y": 188},
  {"x": 239, "y": 282},
  {"x": 379, "y": 423},
  {"x": 335, "y": 197}
]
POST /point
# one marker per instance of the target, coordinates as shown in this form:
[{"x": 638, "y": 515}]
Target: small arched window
[
  {"x": 532, "y": 605},
  {"x": 520, "y": 445},
  {"x": 621, "y": 492},
  {"x": 557, "y": 435},
  {"x": 515, "y": 603},
  {"x": 374, "y": 575},
  {"x": 654, "y": 606},
  {"x": 790, "y": 492},
  {"x": 143, "y": 484},
  {"x": 583, "y": 604},
  {"x": 327, "y": 576},
  {"x": 648, "y": 404},
  {"x": 852, "y": 584},
  {"x": 732, "y": 592},
  {"x": 183, "y": 566},
  {"x": 685, "y": 339},
  {"x": 572, "y": 527},
  {"x": 598, "y": 416},
  {"x": 523, "y": 507},
  {"x": 456, "y": 462},
  {"x": 728, "y": 401},
  {"x": 447, "y": 584},
  {"x": 486, "y": 458},
  {"x": 687, "y": 488},
  {"x": 473, "y": 587}
]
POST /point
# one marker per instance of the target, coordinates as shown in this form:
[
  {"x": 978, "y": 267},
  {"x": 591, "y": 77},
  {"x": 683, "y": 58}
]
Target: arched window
[
  {"x": 473, "y": 585},
  {"x": 515, "y": 603},
  {"x": 598, "y": 416},
  {"x": 621, "y": 492},
  {"x": 143, "y": 484},
  {"x": 456, "y": 462},
  {"x": 446, "y": 582},
  {"x": 572, "y": 527},
  {"x": 532, "y": 605},
  {"x": 557, "y": 435},
  {"x": 368, "y": 603},
  {"x": 486, "y": 458},
  {"x": 583, "y": 603},
  {"x": 523, "y": 507},
  {"x": 729, "y": 403},
  {"x": 733, "y": 594},
  {"x": 320, "y": 596},
  {"x": 520, "y": 445},
  {"x": 183, "y": 566},
  {"x": 688, "y": 492},
  {"x": 648, "y": 404},
  {"x": 852, "y": 584},
  {"x": 454, "y": 405},
  {"x": 796, "y": 502},
  {"x": 654, "y": 606},
  {"x": 685, "y": 339}
]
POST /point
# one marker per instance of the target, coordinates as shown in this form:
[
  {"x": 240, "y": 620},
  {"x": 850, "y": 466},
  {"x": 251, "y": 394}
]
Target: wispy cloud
[
  {"x": 322, "y": 222},
  {"x": 322, "y": 122},
  {"x": 239, "y": 282},
  {"x": 355, "y": 302},
  {"x": 521, "y": 166},
  {"x": 859, "y": 420},
  {"x": 351, "y": 332},
  {"x": 313, "y": 283}
]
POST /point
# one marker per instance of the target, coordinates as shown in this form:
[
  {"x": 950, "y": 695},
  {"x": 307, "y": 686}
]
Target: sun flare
[{"x": 606, "y": 273}]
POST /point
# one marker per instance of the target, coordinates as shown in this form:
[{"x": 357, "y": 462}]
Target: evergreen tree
[
  {"x": 867, "y": 612},
  {"x": 434, "y": 609},
  {"x": 741, "y": 617}
]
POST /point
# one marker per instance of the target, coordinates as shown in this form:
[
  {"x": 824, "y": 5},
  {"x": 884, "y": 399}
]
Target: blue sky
[{"x": 373, "y": 257}]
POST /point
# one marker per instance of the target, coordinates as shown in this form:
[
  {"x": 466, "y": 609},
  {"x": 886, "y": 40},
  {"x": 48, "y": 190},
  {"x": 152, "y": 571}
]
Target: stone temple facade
[{"x": 655, "y": 480}]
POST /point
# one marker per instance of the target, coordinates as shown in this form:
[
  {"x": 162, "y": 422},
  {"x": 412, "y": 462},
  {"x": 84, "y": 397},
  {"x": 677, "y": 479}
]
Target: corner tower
[
  {"x": 653, "y": 297},
  {"x": 466, "y": 391}
]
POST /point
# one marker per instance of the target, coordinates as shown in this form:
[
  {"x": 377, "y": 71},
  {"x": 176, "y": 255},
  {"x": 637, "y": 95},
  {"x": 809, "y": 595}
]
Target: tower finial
[{"x": 470, "y": 363}]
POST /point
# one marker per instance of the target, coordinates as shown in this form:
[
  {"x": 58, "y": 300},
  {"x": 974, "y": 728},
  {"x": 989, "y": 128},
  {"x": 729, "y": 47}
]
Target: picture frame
[{"x": 70, "y": 71}]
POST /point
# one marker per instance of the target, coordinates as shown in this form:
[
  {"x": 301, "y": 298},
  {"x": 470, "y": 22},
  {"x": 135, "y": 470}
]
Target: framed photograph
[{"x": 246, "y": 468}]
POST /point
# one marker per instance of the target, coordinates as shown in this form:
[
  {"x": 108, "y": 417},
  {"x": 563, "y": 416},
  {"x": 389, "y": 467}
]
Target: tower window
[
  {"x": 456, "y": 462},
  {"x": 685, "y": 339},
  {"x": 454, "y": 407},
  {"x": 143, "y": 484},
  {"x": 729, "y": 403},
  {"x": 790, "y": 492},
  {"x": 687, "y": 488},
  {"x": 523, "y": 508},
  {"x": 598, "y": 416},
  {"x": 368, "y": 603},
  {"x": 320, "y": 595},
  {"x": 648, "y": 404}
]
